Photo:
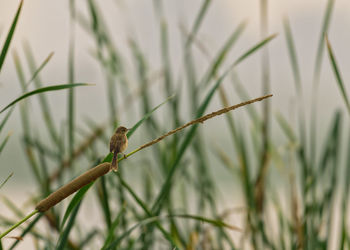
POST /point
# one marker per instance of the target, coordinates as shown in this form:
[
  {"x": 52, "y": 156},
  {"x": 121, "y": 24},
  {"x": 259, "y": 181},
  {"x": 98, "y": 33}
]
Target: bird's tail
[{"x": 114, "y": 165}]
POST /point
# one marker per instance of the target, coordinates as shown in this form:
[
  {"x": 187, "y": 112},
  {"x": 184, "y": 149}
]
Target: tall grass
[{"x": 179, "y": 207}]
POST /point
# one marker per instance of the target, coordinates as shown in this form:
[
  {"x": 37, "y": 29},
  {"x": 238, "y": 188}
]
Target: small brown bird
[{"x": 118, "y": 144}]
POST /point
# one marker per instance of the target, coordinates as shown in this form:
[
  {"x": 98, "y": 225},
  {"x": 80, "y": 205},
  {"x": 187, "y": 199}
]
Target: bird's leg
[{"x": 124, "y": 155}]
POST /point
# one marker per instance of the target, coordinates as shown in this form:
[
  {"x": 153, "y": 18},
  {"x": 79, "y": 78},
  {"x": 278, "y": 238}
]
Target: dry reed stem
[
  {"x": 203, "y": 119},
  {"x": 73, "y": 186}
]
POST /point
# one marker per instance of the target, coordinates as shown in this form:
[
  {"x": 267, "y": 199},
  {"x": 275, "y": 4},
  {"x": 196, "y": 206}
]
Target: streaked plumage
[{"x": 118, "y": 144}]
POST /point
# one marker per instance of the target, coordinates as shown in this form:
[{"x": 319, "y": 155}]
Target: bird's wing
[{"x": 112, "y": 143}]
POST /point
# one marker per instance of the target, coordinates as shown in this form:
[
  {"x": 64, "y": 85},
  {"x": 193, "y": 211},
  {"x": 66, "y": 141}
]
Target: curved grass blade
[
  {"x": 45, "y": 89},
  {"x": 144, "y": 222},
  {"x": 337, "y": 74},
  {"x": 64, "y": 236},
  {"x": 4, "y": 182},
  {"x": 146, "y": 116},
  {"x": 254, "y": 49},
  {"x": 9, "y": 36},
  {"x": 217, "y": 223},
  {"x": 157, "y": 218},
  {"x": 74, "y": 202}
]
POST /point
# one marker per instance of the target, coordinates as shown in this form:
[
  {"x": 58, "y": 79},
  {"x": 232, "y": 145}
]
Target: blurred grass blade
[
  {"x": 9, "y": 36},
  {"x": 64, "y": 235},
  {"x": 217, "y": 223},
  {"x": 115, "y": 243},
  {"x": 146, "y": 210},
  {"x": 203, "y": 10},
  {"x": 103, "y": 196},
  {"x": 324, "y": 30},
  {"x": 111, "y": 232},
  {"x": 5, "y": 119},
  {"x": 146, "y": 116},
  {"x": 287, "y": 129},
  {"x": 74, "y": 202},
  {"x": 4, "y": 182},
  {"x": 45, "y": 89},
  {"x": 2, "y": 145},
  {"x": 217, "y": 62},
  {"x": 43, "y": 64},
  {"x": 337, "y": 74},
  {"x": 254, "y": 49},
  {"x": 27, "y": 230},
  {"x": 292, "y": 54},
  {"x": 156, "y": 218}
]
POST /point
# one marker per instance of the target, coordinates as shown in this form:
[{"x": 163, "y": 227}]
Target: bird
[{"x": 117, "y": 145}]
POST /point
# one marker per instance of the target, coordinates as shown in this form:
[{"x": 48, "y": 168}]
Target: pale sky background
[{"x": 45, "y": 25}]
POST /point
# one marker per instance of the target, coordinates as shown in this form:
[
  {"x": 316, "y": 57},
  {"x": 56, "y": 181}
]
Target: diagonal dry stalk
[{"x": 203, "y": 119}]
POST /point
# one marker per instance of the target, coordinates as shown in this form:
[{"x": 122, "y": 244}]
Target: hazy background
[{"x": 46, "y": 26}]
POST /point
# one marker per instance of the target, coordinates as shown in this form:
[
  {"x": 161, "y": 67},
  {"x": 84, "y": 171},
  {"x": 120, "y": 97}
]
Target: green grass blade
[
  {"x": 42, "y": 90},
  {"x": 9, "y": 36},
  {"x": 85, "y": 242},
  {"x": 42, "y": 65},
  {"x": 5, "y": 119},
  {"x": 111, "y": 231},
  {"x": 202, "y": 12},
  {"x": 104, "y": 200},
  {"x": 287, "y": 129},
  {"x": 217, "y": 62},
  {"x": 144, "y": 222},
  {"x": 61, "y": 244},
  {"x": 2, "y": 145},
  {"x": 74, "y": 202},
  {"x": 146, "y": 116},
  {"x": 27, "y": 230},
  {"x": 337, "y": 74},
  {"x": 292, "y": 54},
  {"x": 146, "y": 210},
  {"x": 217, "y": 223},
  {"x": 324, "y": 30},
  {"x": 254, "y": 49},
  {"x": 4, "y": 182},
  {"x": 71, "y": 108}
]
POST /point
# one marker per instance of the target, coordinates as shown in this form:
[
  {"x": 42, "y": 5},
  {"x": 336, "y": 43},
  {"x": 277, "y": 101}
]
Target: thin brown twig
[{"x": 203, "y": 119}]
